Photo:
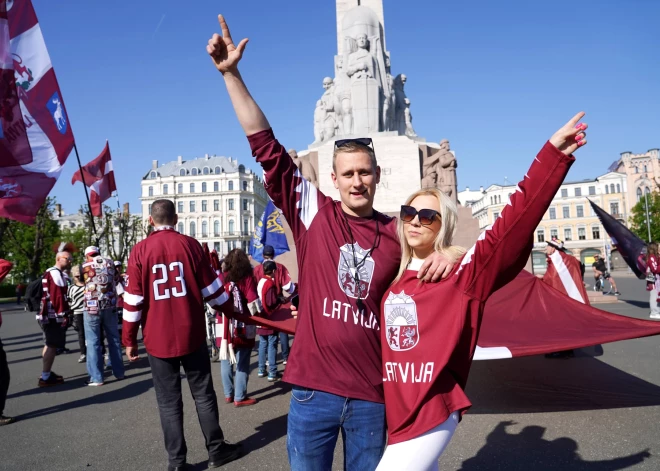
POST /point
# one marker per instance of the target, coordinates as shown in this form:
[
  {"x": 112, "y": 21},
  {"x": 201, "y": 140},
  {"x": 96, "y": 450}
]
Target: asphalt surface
[{"x": 599, "y": 411}]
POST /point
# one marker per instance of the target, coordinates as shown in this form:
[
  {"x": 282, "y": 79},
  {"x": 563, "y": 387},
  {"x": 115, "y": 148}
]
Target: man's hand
[
  {"x": 571, "y": 135},
  {"x": 222, "y": 50},
  {"x": 132, "y": 354},
  {"x": 294, "y": 311},
  {"x": 436, "y": 266}
]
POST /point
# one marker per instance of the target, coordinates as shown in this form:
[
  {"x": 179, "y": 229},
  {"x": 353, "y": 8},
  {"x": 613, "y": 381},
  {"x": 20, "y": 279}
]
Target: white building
[
  {"x": 218, "y": 201},
  {"x": 468, "y": 197}
]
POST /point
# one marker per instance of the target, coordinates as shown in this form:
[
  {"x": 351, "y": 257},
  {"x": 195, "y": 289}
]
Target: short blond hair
[{"x": 354, "y": 148}]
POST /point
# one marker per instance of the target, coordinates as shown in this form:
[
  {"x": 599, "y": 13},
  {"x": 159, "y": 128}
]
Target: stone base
[{"x": 597, "y": 297}]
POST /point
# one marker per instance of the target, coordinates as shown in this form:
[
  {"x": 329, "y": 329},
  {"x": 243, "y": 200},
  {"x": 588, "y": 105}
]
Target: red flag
[
  {"x": 564, "y": 274},
  {"x": 35, "y": 134},
  {"x": 100, "y": 178}
]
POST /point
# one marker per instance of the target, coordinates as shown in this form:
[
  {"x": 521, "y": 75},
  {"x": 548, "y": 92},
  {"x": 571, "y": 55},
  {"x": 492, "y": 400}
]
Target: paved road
[{"x": 599, "y": 411}]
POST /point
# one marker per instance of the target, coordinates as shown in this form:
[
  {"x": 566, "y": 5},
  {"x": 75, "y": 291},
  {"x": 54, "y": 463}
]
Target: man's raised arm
[{"x": 226, "y": 56}]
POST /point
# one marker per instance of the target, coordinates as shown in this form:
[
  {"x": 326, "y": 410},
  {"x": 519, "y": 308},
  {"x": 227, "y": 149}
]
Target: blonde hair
[{"x": 443, "y": 240}]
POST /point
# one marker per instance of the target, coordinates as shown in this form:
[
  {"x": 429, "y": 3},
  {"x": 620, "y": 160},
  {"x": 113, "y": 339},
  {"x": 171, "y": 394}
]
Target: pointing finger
[
  {"x": 574, "y": 120},
  {"x": 223, "y": 26}
]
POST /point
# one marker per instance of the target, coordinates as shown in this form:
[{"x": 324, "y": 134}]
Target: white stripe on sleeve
[
  {"x": 133, "y": 299},
  {"x": 219, "y": 301},
  {"x": 131, "y": 316},
  {"x": 212, "y": 288}
]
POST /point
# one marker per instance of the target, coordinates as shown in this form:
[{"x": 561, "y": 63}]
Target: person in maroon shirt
[
  {"x": 348, "y": 254},
  {"x": 168, "y": 281},
  {"x": 5, "y": 267},
  {"x": 429, "y": 332}
]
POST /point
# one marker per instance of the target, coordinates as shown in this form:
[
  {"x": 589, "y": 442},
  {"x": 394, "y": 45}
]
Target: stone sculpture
[{"x": 439, "y": 171}]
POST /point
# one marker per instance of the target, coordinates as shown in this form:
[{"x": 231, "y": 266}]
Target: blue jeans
[
  {"x": 236, "y": 387},
  {"x": 284, "y": 345},
  {"x": 106, "y": 319},
  {"x": 315, "y": 419},
  {"x": 268, "y": 342}
]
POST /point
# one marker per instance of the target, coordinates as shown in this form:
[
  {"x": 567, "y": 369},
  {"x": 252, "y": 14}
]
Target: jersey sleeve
[
  {"x": 133, "y": 299},
  {"x": 284, "y": 279},
  {"x": 298, "y": 199},
  {"x": 502, "y": 250},
  {"x": 57, "y": 288}
]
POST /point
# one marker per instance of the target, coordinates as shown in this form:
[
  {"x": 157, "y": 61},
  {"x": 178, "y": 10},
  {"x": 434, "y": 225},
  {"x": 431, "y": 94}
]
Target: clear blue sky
[{"x": 495, "y": 78}]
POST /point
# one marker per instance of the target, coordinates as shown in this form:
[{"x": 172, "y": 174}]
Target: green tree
[
  {"x": 118, "y": 232},
  {"x": 638, "y": 217}
]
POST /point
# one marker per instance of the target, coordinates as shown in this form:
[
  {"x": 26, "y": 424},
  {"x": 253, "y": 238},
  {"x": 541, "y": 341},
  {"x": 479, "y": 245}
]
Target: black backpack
[{"x": 33, "y": 294}]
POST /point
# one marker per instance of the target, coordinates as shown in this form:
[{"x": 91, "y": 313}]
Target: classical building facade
[
  {"x": 218, "y": 200},
  {"x": 642, "y": 173},
  {"x": 570, "y": 217}
]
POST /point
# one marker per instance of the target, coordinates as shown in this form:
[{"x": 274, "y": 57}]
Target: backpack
[{"x": 33, "y": 294}]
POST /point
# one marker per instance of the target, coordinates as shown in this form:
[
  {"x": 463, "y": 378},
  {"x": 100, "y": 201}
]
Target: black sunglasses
[
  {"x": 426, "y": 216},
  {"x": 365, "y": 141}
]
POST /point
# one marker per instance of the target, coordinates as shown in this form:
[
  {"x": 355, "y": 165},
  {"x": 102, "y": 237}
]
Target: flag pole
[{"x": 89, "y": 204}]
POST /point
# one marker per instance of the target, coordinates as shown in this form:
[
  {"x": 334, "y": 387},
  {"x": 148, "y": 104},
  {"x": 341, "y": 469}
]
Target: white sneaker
[
  {"x": 654, "y": 316},
  {"x": 93, "y": 383},
  {"x": 284, "y": 362}
]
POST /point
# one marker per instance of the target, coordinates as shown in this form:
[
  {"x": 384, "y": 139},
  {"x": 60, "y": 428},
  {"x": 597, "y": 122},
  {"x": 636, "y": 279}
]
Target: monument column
[{"x": 345, "y": 5}]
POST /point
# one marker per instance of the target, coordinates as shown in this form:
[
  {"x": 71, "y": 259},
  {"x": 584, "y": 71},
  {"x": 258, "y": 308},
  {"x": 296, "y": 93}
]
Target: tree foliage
[{"x": 638, "y": 217}]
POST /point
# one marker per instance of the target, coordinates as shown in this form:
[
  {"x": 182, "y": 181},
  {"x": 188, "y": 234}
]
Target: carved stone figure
[
  {"x": 410, "y": 132},
  {"x": 400, "y": 103},
  {"x": 343, "y": 98},
  {"x": 319, "y": 120},
  {"x": 447, "y": 170},
  {"x": 305, "y": 166},
  {"x": 328, "y": 100}
]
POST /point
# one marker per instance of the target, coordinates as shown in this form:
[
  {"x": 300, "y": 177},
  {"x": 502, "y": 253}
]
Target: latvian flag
[
  {"x": 35, "y": 135},
  {"x": 100, "y": 178}
]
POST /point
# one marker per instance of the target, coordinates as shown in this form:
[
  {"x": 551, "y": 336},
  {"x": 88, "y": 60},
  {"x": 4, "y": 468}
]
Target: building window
[
  {"x": 554, "y": 234},
  {"x": 180, "y": 228},
  {"x": 614, "y": 208},
  {"x": 564, "y": 192},
  {"x": 230, "y": 205},
  {"x": 580, "y": 211},
  {"x": 216, "y": 228},
  {"x": 192, "y": 206},
  {"x": 582, "y": 233},
  {"x": 553, "y": 213},
  {"x": 216, "y": 205},
  {"x": 231, "y": 186},
  {"x": 216, "y": 246},
  {"x": 595, "y": 232},
  {"x": 194, "y": 172},
  {"x": 204, "y": 208},
  {"x": 203, "y": 187},
  {"x": 206, "y": 171},
  {"x": 192, "y": 187},
  {"x": 578, "y": 192},
  {"x": 495, "y": 216},
  {"x": 540, "y": 235},
  {"x": 241, "y": 168},
  {"x": 164, "y": 189},
  {"x": 568, "y": 234},
  {"x": 246, "y": 227},
  {"x": 245, "y": 204},
  {"x": 179, "y": 188},
  {"x": 618, "y": 188},
  {"x": 218, "y": 170},
  {"x": 607, "y": 190},
  {"x": 152, "y": 175},
  {"x": 636, "y": 169},
  {"x": 612, "y": 188},
  {"x": 182, "y": 172},
  {"x": 231, "y": 226},
  {"x": 592, "y": 190},
  {"x": 645, "y": 169},
  {"x": 499, "y": 199},
  {"x": 647, "y": 190},
  {"x": 639, "y": 193},
  {"x": 151, "y": 191},
  {"x": 216, "y": 186},
  {"x": 205, "y": 229},
  {"x": 566, "y": 212},
  {"x": 192, "y": 229},
  {"x": 149, "y": 210},
  {"x": 179, "y": 207},
  {"x": 245, "y": 185}
]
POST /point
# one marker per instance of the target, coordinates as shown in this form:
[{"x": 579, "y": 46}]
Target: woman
[
  {"x": 75, "y": 294},
  {"x": 653, "y": 278},
  {"x": 429, "y": 331},
  {"x": 239, "y": 282}
]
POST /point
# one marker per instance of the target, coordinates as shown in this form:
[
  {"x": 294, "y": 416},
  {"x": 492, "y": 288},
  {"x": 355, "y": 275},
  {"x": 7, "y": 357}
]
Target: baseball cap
[
  {"x": 269, "y": 251},
  {"x": 118, "y": 263},
  {"x": 556, "y": 243},
  {"x": 91, "y": 250}
]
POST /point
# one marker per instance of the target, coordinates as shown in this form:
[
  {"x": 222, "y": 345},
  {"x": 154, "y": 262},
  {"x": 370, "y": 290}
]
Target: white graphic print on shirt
[
  {"x": 401, "y": 323},
  {"x": 354, "y": 280}
]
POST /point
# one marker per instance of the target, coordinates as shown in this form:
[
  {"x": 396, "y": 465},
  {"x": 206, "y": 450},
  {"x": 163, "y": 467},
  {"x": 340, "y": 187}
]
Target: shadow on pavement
[
  {"x": 24, "y": 359},
  {"x": 39, "y": 346},
  {"x": 265, "y": 433},
  {"x": 538, "y": 384},
  {"x": 632, "y": 302},
  {"x": 36, "y": 334},
  {"x": 131, "y": 390},
  {"x": 529, "y": 450}
]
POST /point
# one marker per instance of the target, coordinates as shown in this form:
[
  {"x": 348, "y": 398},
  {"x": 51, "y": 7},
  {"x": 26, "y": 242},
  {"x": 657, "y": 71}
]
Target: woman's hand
[{"x": 571, "y": 135}]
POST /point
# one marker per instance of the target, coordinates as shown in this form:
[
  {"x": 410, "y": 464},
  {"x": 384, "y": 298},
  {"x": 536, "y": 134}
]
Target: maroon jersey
[
  {"x": 337, "y": 347},
  {"x": 429, "y": 331},
  {"x": 168, "y": 280},
  {"x": 54, "y": 304},
  {"x": 281, "y": 278}
]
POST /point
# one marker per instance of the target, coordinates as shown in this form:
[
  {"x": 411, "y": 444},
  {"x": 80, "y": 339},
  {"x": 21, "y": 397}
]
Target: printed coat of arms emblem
[
  {"x": 401, "y": 325},
  {"x": 355, "y": 280}
]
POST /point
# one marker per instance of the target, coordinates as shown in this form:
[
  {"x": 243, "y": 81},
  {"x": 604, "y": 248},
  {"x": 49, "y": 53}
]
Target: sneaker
[
  {"x": 82, "y": 359},
  {"x": 272, "y": 379},
  {"x": 4, "y": 420},
  {"x": 284, "y": 362},
  {"x": 53, "y": 380},
  {"x": 655, "y": 316},
  {"x": 228, "y": 452},
  {"x": 93, "y": 383},
  {"x": 267, "y": 363},
  {"x": 245, "y": 402},
  {"x": 616, "y": 293},
  {"x": 229, "y": 400},
  {"x": 261, "y": 374}
]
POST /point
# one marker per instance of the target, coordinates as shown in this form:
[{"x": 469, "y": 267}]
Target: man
[
  {"x": 284, "y": 287},
  {"x": 120, "y": 279},
  {"x": 336, "y": 365},
  {"x": 99, "y": 312},
  {"x": 53, "y": 316},
  {"x": 169, "y": 279},
  {"x": 5, "y": 266},
  {"x": 599, "y": 269}
]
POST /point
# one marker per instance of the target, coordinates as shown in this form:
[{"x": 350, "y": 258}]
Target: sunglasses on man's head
[
  {"x": 426, "y": 216},
  {"x": 365, "y": 141}
]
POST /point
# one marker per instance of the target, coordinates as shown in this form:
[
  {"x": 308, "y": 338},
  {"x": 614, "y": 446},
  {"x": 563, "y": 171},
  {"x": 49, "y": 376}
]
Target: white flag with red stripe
[
  {"x": 100, "y": 178},
  {"x": 35, "y": 135}
]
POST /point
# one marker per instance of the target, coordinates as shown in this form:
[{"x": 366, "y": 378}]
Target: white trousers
[{"x": 421, "y": 453}]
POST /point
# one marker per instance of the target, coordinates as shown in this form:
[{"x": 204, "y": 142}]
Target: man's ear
[
  {"x": 377, "y": 174},
  {"x": 334, "y": 180}
]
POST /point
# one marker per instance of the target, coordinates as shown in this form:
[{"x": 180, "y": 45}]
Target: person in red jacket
[
  {"x": 653, "y": 277},
  {"x": 5, "y": 267},
  {"x": 168, "y": 281},
  {"x": 429, "y": 331},
  {"x": 270, "y": 302},
  {"x": 53, "y": 316}
]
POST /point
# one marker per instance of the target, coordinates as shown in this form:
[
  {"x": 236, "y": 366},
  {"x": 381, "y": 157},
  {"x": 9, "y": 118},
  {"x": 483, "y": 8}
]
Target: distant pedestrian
[{"x": 75, "y": 294}]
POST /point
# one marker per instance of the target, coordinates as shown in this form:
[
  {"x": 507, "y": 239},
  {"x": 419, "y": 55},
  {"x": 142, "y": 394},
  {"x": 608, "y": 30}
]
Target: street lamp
[{"x": 648, "y": 219}]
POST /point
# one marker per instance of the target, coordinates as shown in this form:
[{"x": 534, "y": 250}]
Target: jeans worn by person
[
  {"x": 236, "y": 385},
  {"x": 106, "y": 319},
  {"x": 268, "y": 348},
  {"x": 314, "y": 422},
  {"x": 284, "y": 345}
]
